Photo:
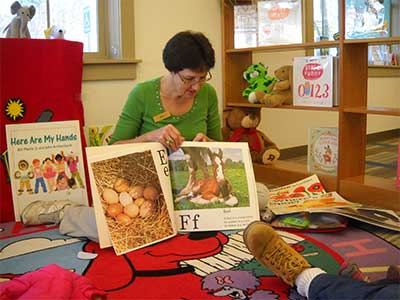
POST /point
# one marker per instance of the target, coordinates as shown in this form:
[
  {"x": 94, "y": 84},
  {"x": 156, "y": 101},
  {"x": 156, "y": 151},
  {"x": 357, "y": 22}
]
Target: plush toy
[
  {"x": 259, "y": 82},
  {"x": 281, "y": 89},
  {"x": 18, "y": 27},
  {"x": 241, "y": 124},
  {"x": 54, "y": 32}
]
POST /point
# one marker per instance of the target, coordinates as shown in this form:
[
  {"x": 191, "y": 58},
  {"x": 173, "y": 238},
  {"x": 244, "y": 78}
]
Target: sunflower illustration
[{"x": 15, "y": 109}]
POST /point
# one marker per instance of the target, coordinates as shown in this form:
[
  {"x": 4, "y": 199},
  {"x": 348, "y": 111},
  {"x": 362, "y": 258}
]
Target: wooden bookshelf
[{"x": 353, "y": 111}]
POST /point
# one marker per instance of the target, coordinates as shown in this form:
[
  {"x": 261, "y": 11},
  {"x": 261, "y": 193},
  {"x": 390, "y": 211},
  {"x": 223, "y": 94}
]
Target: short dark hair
[{"x": 188, "y": 50}]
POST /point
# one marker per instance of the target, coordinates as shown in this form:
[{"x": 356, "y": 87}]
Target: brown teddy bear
[
  {"x": 241, "y": 124},
  {"x": 281, "y": 89}
]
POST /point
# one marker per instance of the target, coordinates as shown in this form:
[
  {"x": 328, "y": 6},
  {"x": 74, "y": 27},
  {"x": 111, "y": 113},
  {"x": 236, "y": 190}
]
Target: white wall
[{"x": 156, "y": 21}]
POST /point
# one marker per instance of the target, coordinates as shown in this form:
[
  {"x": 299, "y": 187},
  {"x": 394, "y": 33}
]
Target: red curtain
[{"x": 40, "y": 81}]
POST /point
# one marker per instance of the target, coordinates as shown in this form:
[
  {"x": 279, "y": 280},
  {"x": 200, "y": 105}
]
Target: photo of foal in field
[{"x": 207, "y": 177}]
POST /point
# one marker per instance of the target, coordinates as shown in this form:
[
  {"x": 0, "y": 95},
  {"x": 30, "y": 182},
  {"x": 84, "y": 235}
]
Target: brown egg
[
  {"x": 150, "y": 193},
  {"x": 114, "y": 209},
  {"x": 139, "y": 201},
  {"x": 136, "y": 191},
  {"x": 147, "y": 209},
  {"x": 123, "y": 219},
  {"x": 121, "y": 185},
  {"x": 110, "y": 196},
  {"x": 131, "y": 210}
]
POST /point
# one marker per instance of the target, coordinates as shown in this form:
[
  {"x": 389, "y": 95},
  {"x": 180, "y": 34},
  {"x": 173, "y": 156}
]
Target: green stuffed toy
[{"x": 259, "y": 82}]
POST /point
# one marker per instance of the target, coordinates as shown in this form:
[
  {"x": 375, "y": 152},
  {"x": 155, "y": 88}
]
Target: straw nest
[{"x": 132, "y": 200}]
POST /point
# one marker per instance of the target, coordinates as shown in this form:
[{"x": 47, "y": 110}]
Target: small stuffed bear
[
  {"x": 241, "y": 126},
  {"x": 281, "y": 89},
  {"x": 259, "y": 82}
]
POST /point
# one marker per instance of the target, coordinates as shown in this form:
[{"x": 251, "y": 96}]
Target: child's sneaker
[
  {"x": 45, "y": 212},
  {"x": 273, "y": 252}
]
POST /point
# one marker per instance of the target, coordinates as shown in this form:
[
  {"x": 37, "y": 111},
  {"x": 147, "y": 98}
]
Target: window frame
[{"x": 99, "y": 65}]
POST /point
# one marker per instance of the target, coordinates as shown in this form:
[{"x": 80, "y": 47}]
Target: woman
[
  {"x": 170, "y": 109},
  {"x": 177, "y": 106}
]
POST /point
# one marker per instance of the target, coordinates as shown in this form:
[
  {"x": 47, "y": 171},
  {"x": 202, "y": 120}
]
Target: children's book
[
  {"x": 142, "y": 194},
  {"x": 313, "y": 81},
  {"x": 279, "y": 22},
  {"x": 367, "y": 19},
  {"x": 322, "y": 151},
  {"x": 308, "y": 195},
  {"x": 45, "y": 163},
  {"x": 245, "y": 23},
  {"x": 98, "y": 135}
]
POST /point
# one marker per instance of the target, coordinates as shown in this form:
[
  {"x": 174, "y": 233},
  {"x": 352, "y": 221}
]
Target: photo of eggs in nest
[{"x": 133, "y": 203}]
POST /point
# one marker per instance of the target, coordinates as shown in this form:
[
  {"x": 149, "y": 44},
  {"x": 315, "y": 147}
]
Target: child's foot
[{"x": 273, "y": 252}]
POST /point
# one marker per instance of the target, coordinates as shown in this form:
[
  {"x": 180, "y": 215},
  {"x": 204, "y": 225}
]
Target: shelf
[
  {"x": 375, "y": 41},
  {"x": 244, "y": 104},
  {"x": 373, "y": 110},
  {"x": 285, "y": 172},
  {"x": 371, "y": 190},
  {"x": 287, "y": 47},
  {"x": 368, "y": 190}
]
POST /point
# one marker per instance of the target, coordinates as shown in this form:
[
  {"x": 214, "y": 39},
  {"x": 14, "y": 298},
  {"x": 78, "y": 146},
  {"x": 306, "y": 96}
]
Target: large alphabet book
[{"x": 142, "y": 194}]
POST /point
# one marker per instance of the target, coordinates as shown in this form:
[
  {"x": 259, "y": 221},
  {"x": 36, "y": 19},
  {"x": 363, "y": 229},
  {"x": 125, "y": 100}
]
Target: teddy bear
[
  {"x": 281, "y": 89},
  {"x": 259, "y": 82},
  {"x": 241, "y": 124}
]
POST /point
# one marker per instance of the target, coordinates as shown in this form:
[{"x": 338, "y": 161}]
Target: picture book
[
  {"x": 45, "y": 163},
  {"x": 367, "y": 19},
  {"x": 308, "y": 195},
  {"x": 313, "y": 83},
  {"x": 245, "y": 24},
  {"x": 322, "y": 150},
  {"x": 142, "y": 194},
  {"x": 98, "y": 135},
  {"x": 279, "y": 22}
]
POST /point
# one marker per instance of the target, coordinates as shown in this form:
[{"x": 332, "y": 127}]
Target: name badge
[{"x": 161, "y": 116}]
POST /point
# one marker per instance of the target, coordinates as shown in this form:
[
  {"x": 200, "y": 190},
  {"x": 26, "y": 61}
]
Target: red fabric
[
  {"x": 45, "y": 75},
  {"x": 50, "y": 282},
  {"x": 251, "y": 135}
]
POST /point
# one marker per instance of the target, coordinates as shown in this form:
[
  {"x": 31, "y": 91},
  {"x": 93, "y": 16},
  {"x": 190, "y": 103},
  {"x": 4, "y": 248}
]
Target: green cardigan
[{"x": 144, "y": 103}]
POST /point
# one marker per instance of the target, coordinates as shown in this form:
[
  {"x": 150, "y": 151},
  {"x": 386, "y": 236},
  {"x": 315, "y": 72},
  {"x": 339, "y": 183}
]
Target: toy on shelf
[
  {"x": 241, "y": 126},
  {"x": 281, "y": 89},
  {"x": 18, "y": 27},
  {"x": 259, "y": 82},
  {"x": 54, "y": 32}
]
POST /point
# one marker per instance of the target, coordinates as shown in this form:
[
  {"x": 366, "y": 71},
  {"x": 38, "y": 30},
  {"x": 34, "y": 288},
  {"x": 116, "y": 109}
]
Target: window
[{"x": 104, "y": 27}]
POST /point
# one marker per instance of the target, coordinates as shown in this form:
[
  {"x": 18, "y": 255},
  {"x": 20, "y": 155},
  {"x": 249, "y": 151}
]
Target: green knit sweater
[{"x": 144, "y": 103}]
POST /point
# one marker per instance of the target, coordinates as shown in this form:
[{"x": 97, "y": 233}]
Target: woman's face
[{"x": 189, "y": 82}]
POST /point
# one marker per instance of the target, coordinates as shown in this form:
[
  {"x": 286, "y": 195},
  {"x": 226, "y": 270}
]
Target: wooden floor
[{"x": 380, "y": 161}]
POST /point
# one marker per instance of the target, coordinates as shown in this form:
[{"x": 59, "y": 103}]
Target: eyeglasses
[{"x": 192, "y": 80}]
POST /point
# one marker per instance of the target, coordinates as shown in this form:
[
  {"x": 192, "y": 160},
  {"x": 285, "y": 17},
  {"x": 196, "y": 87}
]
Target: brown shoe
[{"x": 273, "y": 252}]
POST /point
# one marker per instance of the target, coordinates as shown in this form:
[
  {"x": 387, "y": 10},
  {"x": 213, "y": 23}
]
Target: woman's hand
[
  {"x": 169, "y": 136},
  {"x": 201, "y": 137}
]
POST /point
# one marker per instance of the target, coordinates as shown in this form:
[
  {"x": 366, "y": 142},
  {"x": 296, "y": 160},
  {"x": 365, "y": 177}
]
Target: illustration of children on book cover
[{"x": 45, "y": 164}]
